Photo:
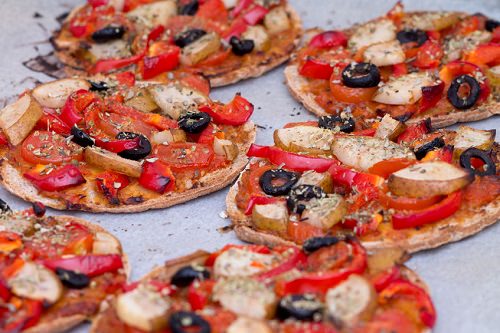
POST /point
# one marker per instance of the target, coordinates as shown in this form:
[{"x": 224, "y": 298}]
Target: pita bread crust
[
  {"x": 73, "y": 68},
  {"x": 63, "y": 324},
  {"x": 462, "y": 224},
  {"x": 15, "y": 183},
  {"x": 170, "y": 267},
  {"x": 295, "y": 82}
]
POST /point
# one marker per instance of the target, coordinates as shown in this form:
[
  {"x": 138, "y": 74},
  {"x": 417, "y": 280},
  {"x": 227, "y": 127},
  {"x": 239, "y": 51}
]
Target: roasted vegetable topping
[
  {"x": 467, "y": 157},
  {"x": 278, "y": 181},
  {"x": 361, "y": 75}
]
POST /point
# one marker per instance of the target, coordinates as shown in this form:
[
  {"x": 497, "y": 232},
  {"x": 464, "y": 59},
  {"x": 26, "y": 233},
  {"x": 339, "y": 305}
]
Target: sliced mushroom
[
  {"x": 245, "y": 297},
  {"x": 272, "y": 217},
  {"x": 352, "y": 300},
  {"x": 141, "y": 100},
  {"x": 468, "y": 137},
  {"x": 259, "y": 36},
  {"x": 175, "y": 100},
  {"x": 370, "y": 33},
  {"x": 143, "y": 308},
  {"x": 54, "y": 94},
  {"x": 403, "y": 90},
  {"x": 429, "y": 179},
  {"x": 324, "y": 212},
  {"x": 322, "y": 180},
  {"x": 389, "y": 128},
  {"x": 277, "y": 20},
  {"x": 305, "y": 139},
  {"x": 111, "y": 161},
  {"x": 363, "y": 152},
  {"x": 238, "y": 262},
  {"x": 36, "y": 282},
  {"x": 226, "y": 148},
  {"x": 385, "y": 54},
  {"x": 18, "y": 119},
  {"x": 153, "y": 14}
]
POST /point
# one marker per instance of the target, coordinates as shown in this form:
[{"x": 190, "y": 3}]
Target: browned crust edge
[
  {"x": 65, "y": 323},
  {"x": 446, "y": 231},
  {"x": 71, "y": 67},
  {"x": 295, "y": 82},
  {"x": 15, "y": 183}
]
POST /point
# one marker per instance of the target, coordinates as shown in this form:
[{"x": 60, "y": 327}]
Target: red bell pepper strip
[
  {"x": 296, "y": 258},
  {"x": 387, "y": 167},
  {"x": 381, "y": 280},
  {"x": 291, "y": 161},
  {"x": 125, "y": 78},
  {"x": 363, "y": 228},
  {"x": 348, "y": 177},
  {"x": 255, "y": 15},
  {"x": 316, "y": 69},
  {"x": 328, "y": 40},
  {"x": 429, "y": 55},
  {"x": 50, "y": 121},
  {"x": 157, "y": 176},
  {"x": 235, "y": 113},
  {"x": 97, "y": 3},
  {"x": 71, "y": 112},
  {"x": 25, "y": 317},
  {"x": 484, "y": 54},
  {"x": 436, "y": 212},
  {"x": 4, "y": 291},
  {"x": 399, "y": 69},
  {"x": 259, "y": 200},
  {"x": 156, "y": 65},
  {"x": 238, "y": 27},
  {"x": 108, "y": 65},
  {"x": 109, "y": 183},
  {"x": 91, "y": 264},
  {"x": 199, "y": 293},
  {"x": 320, "y": 282},
  {"x": 415, "y": 131},
  {"x": 240, "y": 7},
  {"x": 59, "y": 179},
  {"x": 412, "y": 291},
  {"x": 3, "y": 139},
  {"x": 430, "y": 96}
]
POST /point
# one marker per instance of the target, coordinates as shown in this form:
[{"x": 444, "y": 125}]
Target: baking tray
[{"x": 464, "y": 277}]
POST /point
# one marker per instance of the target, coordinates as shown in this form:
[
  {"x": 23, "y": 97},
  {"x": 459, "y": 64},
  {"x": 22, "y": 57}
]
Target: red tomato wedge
[{"x": 43, "y": 147}]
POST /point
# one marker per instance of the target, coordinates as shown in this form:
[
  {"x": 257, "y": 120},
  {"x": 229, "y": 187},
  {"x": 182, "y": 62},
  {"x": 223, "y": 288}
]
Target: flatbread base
[
  {"x": 15, "y": 183},
  {"x": 295, "y": 82},
  {"x": 72, "y": 68},
  {"x": 461, "y": 225},
  {"x": 63, "y": 324}
]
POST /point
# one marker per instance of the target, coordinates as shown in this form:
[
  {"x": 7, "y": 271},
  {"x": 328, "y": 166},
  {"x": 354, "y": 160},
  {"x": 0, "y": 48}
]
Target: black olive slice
[
  {"x": 142, "y": 150},
  {"x": 240, "y": 47},
  {"x": 300, "y": 307},
  {"x": 286, "y": 181},
  {"x": 301, "y": 193},
  {"x": 190, "y": 8},
  {"x": 489, "y": 167},
  {"x": 332, "y": 122},
  {"x": 412, "y": 36},
  {"x": 187, "y": 274},
  {"x": 187, "y": 37},
  {"x": 194, "y": 122},
  {"x": 4, "y": 207},
  {"x": 314, "y": 244},
  {"x": 421, "y": 151},
  {"x": 39, "y": 209},
  {"x": 98, "y": 86},
  {"x": 108, "y": 33},
  {"x": 188, "y": 322},
  {"x": 81, "y": 138},
  {"x": 72, "y": 279},
  {"x": 361, "y": 75},
  {"x": 491, "y": 24},
  {"x": 468, "y": 101}
]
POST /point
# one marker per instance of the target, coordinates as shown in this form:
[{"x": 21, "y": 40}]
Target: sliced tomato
[
  {"x": 213, "y": 10},
  {"x": 387, "y": 167},
  {"x": 43, "y": 147},
  {"x": 184, "y": 156},
  {"x": 405, "y": 203},
  {"x": 51, "y": 122},
  {"x": 299, "y": 232},
  {"x": 399, "y": 69},
  {"x": 484, "y": 54},
  {"x": 235, "y": 113},
  {"x": 329, "y": 258},
  {"x": 328, "y": 40},
  {"x": 195, "y": 81},
  {"x": 215, "y": 59},
  {"x": 199, "y": 294},
  {"x": 429, "y": 55},
  {"x": 80, "y": 240},
  {"x": 220, "y": 320}
]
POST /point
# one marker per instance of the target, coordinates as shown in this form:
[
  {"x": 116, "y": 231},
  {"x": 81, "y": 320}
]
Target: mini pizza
[
  {"x": 104, "y": 146},
  {"x": 54, "y": 270},
  {"x": 392, "y": 186},
  {"x": 225, "y": 40},
  {"x": 330, "y": 285},
  {"x": 409, "y": 65}
]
